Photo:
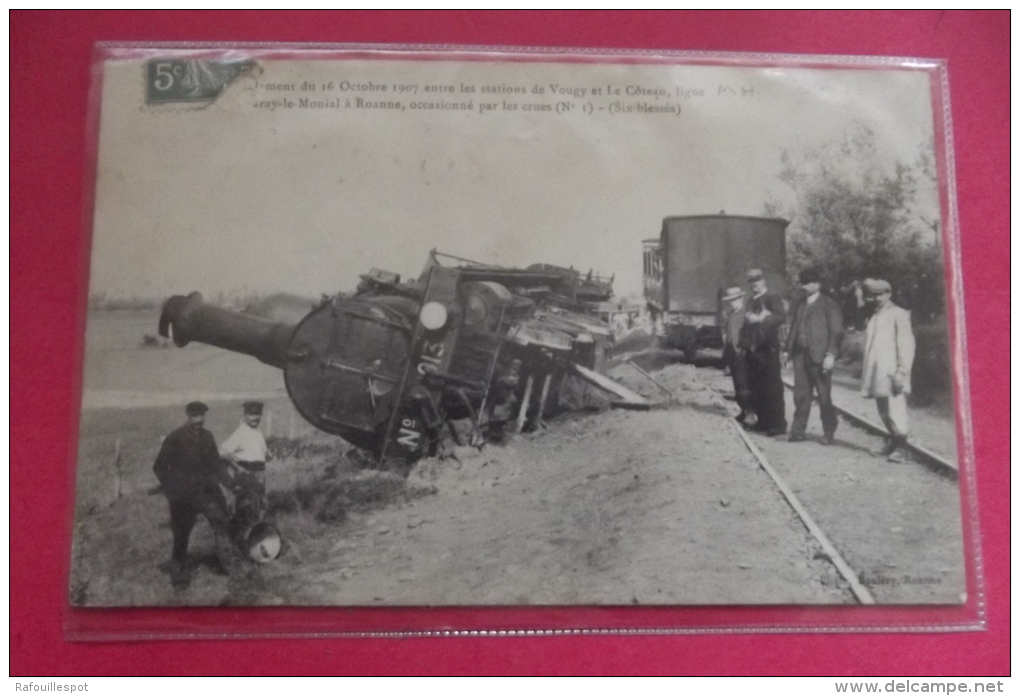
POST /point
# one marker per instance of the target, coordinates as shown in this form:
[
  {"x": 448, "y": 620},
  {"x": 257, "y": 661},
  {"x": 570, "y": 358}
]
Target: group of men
[
  {"x": 759, "y": 337},
  {"x": 191, "y": 468}
]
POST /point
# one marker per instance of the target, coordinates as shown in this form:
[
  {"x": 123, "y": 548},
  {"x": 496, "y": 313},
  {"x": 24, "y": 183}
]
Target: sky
[{"x": 236, "y": 196}]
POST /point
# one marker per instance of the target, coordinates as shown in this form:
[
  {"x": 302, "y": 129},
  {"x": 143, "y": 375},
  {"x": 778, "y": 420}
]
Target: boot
[
  {"x": 898, "y": 452},
  {"x": 888, "y": 448},
  {"x": 180, "y": 574}
]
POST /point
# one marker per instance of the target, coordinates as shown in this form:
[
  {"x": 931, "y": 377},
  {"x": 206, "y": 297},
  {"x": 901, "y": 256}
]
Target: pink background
[{"x": 50, "y": 59}]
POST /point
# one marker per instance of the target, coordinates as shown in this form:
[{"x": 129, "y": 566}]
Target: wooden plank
[
  {"x": 522, "y": 415},
  {"x": 603, "y": 382},
  {"x": 659, "y": 384}
]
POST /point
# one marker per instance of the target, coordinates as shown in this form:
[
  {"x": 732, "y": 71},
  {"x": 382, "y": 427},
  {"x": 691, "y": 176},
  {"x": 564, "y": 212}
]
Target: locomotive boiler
[{"x": 387, "y": 366}]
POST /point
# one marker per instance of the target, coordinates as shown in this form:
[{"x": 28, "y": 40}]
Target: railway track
[
  {"x": 920, "y": 453},
  {"x": 856, "y": 584}
]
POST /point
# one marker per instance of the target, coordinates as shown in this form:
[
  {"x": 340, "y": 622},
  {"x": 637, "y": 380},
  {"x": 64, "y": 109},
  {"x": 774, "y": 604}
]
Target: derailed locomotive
[{"x": 388, "y": 366}]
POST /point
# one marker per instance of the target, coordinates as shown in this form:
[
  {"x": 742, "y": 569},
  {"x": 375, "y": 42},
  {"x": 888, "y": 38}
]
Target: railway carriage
[{"x": 694, "y": 259}]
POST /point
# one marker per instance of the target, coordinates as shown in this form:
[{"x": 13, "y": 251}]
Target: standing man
[
  {"x": 246, "y": 449},
  {"x": 735, "y": 351},
  {"x": 813, "y": 342},
  {"x": 888, "y": 359},
  {"x": 188, "y": 469},
  {"x": 764, "y": 316}
]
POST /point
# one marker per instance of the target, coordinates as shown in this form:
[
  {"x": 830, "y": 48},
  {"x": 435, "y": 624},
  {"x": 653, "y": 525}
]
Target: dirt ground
[
  {"x": 665, "y": 506},
  {"x": 897, "y": 525}
]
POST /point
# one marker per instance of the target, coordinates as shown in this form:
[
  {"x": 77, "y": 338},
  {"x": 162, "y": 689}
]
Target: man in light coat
[
  {"x": 888, "y": 358},
  {"x": 735, "y": 351}
]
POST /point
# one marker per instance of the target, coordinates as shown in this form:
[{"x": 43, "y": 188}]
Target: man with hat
[
  {"x": 188, "y": 469},
  {"x": 888, "y": 358},
  {"x": 815, "y": 334},
  {"x": 764, "y": 317},
  {"x": 735, "y": 349},
  {"x": 246, "y": 448}
]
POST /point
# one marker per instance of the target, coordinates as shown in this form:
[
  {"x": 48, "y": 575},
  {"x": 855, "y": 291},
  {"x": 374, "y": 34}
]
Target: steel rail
[
  {"x": 860, "y": 592},
  {"x": 946, "y": 465}
]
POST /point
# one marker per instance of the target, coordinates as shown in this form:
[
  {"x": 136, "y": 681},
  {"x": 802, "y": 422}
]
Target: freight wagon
[{"x": 694, "y": 259}]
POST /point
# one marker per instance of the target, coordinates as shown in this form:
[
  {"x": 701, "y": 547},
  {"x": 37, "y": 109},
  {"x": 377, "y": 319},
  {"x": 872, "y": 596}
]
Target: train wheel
[{"x": 397, "y": 465}]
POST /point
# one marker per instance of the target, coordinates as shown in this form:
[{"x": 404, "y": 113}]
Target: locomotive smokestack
[{"x": 190, "y": 319}]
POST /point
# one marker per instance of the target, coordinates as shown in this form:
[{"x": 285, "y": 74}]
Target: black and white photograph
[{"x": 406, "y": 328}]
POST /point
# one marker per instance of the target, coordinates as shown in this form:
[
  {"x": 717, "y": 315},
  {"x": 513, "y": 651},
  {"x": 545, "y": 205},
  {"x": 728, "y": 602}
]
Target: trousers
[
  {"x": 737, "y": 363},
  {"x": 765, "y": 381},
  {"x": 808, "y": 378},
  {"x": 893, "y": 412},
  {"x": 184, "y": 512}
]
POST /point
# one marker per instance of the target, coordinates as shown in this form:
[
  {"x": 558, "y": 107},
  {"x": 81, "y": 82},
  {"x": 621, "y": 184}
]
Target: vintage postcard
[{"x": 379, "y": 327}]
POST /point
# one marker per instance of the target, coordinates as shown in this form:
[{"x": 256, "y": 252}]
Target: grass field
[
  {"x": 134, "y": 395},
  {"x": 121, "y": 371}
]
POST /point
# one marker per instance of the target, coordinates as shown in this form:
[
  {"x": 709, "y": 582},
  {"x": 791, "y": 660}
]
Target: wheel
[{"x": 397, "y": 465}]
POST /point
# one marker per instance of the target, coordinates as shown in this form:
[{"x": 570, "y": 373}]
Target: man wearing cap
[
  {"x": 815, "y": 333},
  {"x": 246, "y": 450},
  {"x": 188, "y": 469},
  {"x": 888, "y": 358},
  {"x": 246, "y": 447},
  {"x": 735, "y": 349},
  {"x": 764, "y": 316}
]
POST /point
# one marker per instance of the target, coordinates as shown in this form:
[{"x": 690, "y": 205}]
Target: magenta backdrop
[{"x": 50, "y": 58}]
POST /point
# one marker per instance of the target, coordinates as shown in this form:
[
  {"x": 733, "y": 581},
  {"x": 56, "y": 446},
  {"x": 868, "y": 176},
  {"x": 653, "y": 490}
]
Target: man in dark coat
[
  {"x": 188, "y": 468},
  {"x": 815, "y": 334},
  {"x": 764, "y": 317}
]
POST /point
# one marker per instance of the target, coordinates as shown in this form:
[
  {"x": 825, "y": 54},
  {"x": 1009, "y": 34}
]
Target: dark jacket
[
  {"x": 823, "y": 328},
  {"x": 764, "y": 336},
  {"x": 188, "y": 462}
]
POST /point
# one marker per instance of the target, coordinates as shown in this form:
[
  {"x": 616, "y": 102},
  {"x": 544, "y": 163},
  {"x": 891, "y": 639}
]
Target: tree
[{"x": 854, "y": 215}]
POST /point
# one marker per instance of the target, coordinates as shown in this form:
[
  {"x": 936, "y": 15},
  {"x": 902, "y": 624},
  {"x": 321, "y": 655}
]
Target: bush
[{"x": 932, "y": 375}]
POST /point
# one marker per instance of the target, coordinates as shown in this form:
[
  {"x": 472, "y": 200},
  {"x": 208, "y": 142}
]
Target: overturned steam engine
[{"x": 387, "y": 367}]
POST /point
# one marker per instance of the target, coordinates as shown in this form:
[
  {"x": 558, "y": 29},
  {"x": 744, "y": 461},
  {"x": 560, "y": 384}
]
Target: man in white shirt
[{"x": 246, "y": 448}]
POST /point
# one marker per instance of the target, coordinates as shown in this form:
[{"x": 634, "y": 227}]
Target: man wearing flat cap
[
  {"x": 816, "y": 330},
  {"x": 735, "y": 349},
  {"x": 888, "y": 358},
  {"x": 188, "y": 469},
  {"x": 764, "y": 316},
  {"x": 246, "y": 448}
]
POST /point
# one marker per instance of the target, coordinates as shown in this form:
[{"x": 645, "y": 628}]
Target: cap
[
  {"x": 252, "y": 408},
  {"x": 873, "y": 286},
  {"x": 755, "y": 274},
  {"x": 810, "y": 275},
  {"x": 196, "y": 408},
  {"x": 732, "y": 293}
]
